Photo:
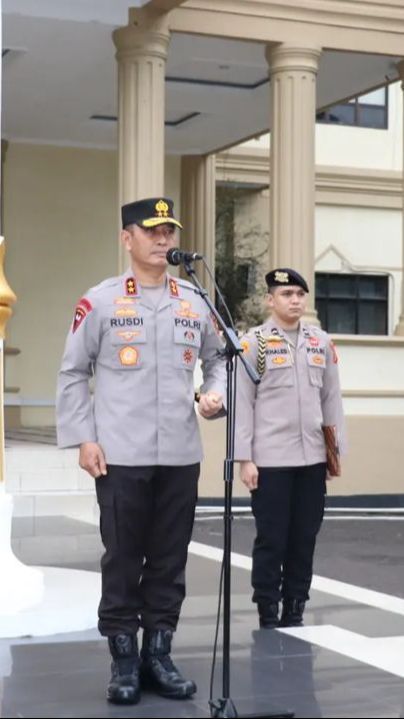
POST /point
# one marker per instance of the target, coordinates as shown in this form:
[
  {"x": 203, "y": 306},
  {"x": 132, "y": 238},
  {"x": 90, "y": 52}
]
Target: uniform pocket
[
  {"x": 280, "y": 376},
  {"x": 187, "y": 341},
  {"x": 185, "y": 357},
  {"x": 128, "y": 345},
  {"x": 316, "y": 376},
  {"x": 128, "y": 357}
]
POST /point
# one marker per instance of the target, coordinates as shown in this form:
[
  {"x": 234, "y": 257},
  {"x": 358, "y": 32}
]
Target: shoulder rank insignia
[
  {"x": 131, "y": 286},
  {"x": 83, "y": 308},
  {"x": 173, "y": 287}
]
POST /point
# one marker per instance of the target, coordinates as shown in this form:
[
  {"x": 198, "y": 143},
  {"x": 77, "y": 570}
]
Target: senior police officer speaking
[
  {"x": 140, "y": 335},
  {"x": 280, "y": 444}
]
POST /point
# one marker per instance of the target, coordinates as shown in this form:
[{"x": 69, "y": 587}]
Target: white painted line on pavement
[
  {"x": 377, "y": 600},
  {"x": 384, "y": 653}
]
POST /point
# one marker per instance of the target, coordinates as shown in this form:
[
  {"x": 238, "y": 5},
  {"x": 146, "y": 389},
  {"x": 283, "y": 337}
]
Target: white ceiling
[{"x": 61, "y": 70}]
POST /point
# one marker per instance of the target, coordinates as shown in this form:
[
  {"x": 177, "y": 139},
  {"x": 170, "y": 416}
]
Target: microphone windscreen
[{"x": 173, "y": 256}]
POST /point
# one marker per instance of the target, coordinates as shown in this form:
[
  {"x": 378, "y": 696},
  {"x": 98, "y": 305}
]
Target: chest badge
[
  {"x": 186, "y": 310},
  {"x": 128, "y": 356},
  {"x": 125, "y": 312},
  {"x": 188, "y": 356},
  {"x": 319, "y": 360},
  {"x": 278, "y": 360}
]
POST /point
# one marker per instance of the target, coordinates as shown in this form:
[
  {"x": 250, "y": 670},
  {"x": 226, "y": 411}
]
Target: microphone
[{"x": 175, "y": 256}]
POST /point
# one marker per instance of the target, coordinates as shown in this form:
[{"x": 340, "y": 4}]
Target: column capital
[
  {"x": 292, "y": 57},
  {"x": 147, "y": 34}
]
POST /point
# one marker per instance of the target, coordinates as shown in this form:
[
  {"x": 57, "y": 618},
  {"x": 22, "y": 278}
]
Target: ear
[
  {"x": 126, "y": 239},
  {"x": 270, "y": 300}
]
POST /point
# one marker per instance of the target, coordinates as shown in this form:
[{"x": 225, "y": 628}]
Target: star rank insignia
[
  {"x": 83, "y": 308},
  {"x": 131, "y": 287}
]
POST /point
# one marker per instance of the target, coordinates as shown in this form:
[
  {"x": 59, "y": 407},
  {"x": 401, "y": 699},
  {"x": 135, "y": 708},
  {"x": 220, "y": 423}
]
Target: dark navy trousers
[
  {"x": 146, "y": 521},
  {"x": 288, "y": 506}
]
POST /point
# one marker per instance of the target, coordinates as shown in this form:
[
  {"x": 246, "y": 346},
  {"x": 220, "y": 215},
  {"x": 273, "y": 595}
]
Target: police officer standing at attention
[
  {"x": 140, "y": 335},
  {"x": 281, "y": 447}
]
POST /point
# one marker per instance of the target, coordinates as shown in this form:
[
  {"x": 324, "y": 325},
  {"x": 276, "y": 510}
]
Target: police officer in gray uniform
[
  {"x": 281, "y": 447},
  {"x": 139, "y": 336}
]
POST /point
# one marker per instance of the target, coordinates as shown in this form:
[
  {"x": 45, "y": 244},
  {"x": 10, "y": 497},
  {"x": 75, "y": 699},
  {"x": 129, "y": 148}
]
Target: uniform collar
[
  {"x": 133, "y": 288},
  {"x": 271, "y": 329}
]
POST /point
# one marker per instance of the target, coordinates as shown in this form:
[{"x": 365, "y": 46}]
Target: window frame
[
  {"x": 357, "y": 105},
  {"x": 355, "y": 298}
]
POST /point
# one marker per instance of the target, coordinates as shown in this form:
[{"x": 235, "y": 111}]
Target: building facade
[{"x": 105, "y": 104}]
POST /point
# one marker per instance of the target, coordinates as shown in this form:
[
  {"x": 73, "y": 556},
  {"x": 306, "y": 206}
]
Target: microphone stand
[{"x": 224, "y": 706}]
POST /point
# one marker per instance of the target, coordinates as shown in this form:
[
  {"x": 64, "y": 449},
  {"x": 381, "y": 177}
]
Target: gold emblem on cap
[
  {"x": 281, "y": 276},
  {"x": 161, "y": 208}
]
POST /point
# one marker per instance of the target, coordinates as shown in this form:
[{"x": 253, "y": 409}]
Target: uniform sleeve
[
  {"x": 213, "y": 363},
  {"x": 245, "y": 402},
  {"x": 74, "y": 411},
  {"x": 331, "y": 398}
]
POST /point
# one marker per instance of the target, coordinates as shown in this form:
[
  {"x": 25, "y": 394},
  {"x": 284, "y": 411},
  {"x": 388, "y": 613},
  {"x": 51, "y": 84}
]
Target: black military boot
[
  {"x": 292, "y": 613},
  {"x": 157, "y": 670},
  {"x": 124, "y": 685},
  {"x": 268, "y": 614}
]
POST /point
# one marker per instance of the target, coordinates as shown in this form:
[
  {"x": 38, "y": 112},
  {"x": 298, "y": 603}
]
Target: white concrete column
[
  {"x": 198, "y": 205},
  {"x": 142, "y": 48},
  {"x": 293, "y": 71},
  {"x": 399, "y": 330}
]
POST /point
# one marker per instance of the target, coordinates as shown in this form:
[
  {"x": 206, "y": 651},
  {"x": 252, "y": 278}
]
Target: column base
[{"x": 399, "y": 329}]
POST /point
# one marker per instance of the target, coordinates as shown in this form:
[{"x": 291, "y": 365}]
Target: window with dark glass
[
  {"x": 370, "y": 110},
  {"x": 352, "y": 304}
]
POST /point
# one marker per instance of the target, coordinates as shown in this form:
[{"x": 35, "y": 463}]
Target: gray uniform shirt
[
  {"x": 279, "y": 423},
  {"x": 142, "y": 358}
]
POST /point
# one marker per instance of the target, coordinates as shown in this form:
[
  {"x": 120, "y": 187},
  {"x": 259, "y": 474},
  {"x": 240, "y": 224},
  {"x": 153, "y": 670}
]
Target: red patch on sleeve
[
  {"x": 334, "y": 353},
  {"x": 83, "y": 308}
]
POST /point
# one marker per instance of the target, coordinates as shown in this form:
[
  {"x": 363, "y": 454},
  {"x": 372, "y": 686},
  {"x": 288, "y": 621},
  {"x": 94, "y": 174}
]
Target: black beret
[
  {"x": 283, "y": 276},
  {"x": 149, "y": 212}
]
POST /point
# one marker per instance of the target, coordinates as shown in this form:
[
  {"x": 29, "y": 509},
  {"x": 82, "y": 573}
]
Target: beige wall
[
  {"x": 378, "y": 471},
  {"x": 61, "y": 230}
]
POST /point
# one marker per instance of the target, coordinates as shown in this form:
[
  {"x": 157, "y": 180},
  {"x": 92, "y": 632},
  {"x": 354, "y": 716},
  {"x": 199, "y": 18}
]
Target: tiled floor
[{"x": 271, "y": 671}]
